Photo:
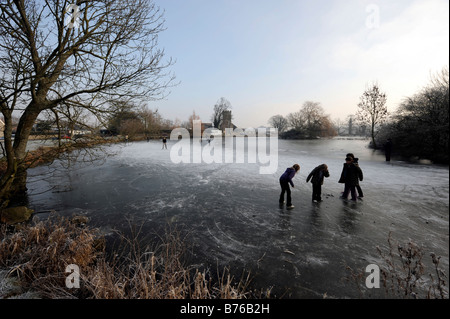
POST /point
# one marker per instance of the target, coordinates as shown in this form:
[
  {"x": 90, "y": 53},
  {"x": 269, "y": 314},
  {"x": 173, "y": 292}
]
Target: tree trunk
[
  {"x": 14, "y": 180},
  {"x": 59, "y": 127},
  {"x": 8, "y": 176},
  {"x": 374, "y": 144}
]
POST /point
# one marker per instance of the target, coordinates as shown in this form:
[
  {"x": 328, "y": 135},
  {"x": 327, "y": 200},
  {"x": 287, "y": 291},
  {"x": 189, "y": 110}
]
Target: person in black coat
[
  {"x": 317, "y": 176},
  {"x": 358, "y": 187},
  {"x": 351, "y": 175},
  {"x": 388, "y": 150}
]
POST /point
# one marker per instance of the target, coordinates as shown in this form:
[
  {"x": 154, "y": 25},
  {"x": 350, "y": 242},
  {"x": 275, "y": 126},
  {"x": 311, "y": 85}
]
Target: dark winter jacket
[
  {"x": 288, "y": 175},
  {"x": 317, "y": 175},
  {"x": 351, "y": 174}
]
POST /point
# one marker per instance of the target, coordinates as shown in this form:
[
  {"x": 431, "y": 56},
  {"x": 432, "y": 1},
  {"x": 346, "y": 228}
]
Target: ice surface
[{"x": 233, "y": 218}]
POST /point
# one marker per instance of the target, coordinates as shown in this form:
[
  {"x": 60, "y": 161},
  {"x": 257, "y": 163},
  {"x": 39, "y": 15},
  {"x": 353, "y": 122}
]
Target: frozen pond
[{"x": 233, "y": 217}]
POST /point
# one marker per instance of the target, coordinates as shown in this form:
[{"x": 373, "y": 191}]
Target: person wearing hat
[
  {"x": 355, "y": 161},
  {"x": 350, "y": 177}
]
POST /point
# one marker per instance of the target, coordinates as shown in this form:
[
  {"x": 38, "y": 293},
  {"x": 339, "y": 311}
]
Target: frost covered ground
[{"x": 233, "y": 218}]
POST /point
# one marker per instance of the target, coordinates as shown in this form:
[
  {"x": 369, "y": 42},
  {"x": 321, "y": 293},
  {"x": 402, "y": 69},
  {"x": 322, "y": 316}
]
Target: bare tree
[
  {"x": 95, "y": 52},
  {"x": 193, "y": 117},
  {"x": 152, "y": 121},
  {"x": 310, "y": 122},
  {"x": 221, "y": 105},
  {"x": 132, "y": 127},
  {"x": 121, "y": 110},
  {"x": 350, "y": 120},
  {"x": 372, "y": 109},
  {"x": 327, "y": 128},
  {"x": 74, "y": 116},
  {"x": 339, "y": 125},
  {"x": 295, "y": 120},
  {"x": 312, "y": 114},
  {"x": 420, "y": 126},
  {"x": 279, "y": 122}
]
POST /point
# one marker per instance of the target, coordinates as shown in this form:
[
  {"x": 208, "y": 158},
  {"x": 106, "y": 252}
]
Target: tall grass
[
  {"x": 403, "y": 273},
  {"x": 38, "y": 256}
]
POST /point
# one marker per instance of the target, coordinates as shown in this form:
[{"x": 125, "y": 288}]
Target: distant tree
[
  {"x": 167, "y": 124},
  {"x": 372, "y": 109},
  {"x": 327, "y": 127},
  {"x": 350, "y": 124},
  {"x": 295, "y": 121},
  {"x": 339, "y": 126},
  {"x": 177, "y": 123},
  {"x": 131, "y": 127},
  {"x": 193, "y": 117},
  {"x": 309, "y": 122},
  {"x": 313, "y": 115},
  {"x": 152, "y": 121},
  {"x": 121, "y": 111},
  {"x": 279, "y": 122},
  {"x": 221, "y": 105},
  {"x": 420, "y": 126},
  {"x": 363, "y": 129}
]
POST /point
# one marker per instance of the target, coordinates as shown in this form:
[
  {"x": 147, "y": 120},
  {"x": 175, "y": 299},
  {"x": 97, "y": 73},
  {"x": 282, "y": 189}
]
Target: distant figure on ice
[
  {"x": 351, "y": 175},
  {"x": 126, "y": 138},
  {"x": 316, "y": 176},
  {"x": 388, "y": 149},
  {"x": 285, "y": 180},
  {"x": 164, "y": 140}
]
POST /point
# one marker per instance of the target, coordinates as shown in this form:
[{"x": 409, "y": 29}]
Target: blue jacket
[{"x": 288, "y": 175}]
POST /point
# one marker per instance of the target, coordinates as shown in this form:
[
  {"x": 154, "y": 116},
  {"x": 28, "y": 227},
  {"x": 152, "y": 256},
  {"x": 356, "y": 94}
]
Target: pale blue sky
[{"x": 268, "y": 57}]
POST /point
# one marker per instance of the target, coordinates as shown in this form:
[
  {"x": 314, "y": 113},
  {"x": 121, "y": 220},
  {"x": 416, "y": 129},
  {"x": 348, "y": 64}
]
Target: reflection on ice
[{"x": 232, "y": 215}]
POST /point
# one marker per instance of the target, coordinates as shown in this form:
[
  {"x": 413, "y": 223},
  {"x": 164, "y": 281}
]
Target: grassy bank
[{"x": 36, "y": 256}]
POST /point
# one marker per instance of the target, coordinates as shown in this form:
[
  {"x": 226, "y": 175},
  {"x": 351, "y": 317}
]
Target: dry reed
[
  {"x": 403, "y": 273},
  {"x": 39, "y": 254}
]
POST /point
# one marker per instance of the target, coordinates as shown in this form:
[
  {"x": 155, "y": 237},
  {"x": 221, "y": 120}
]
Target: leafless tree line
[
  {"x": 309, "y": 122},
  {"x": 420, "y": 125}
]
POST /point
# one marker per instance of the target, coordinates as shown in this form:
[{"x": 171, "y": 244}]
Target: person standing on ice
[
  {"x": 164, "y": 143},
  {"x": 317, "y": 176},
  {"x": 355, "y": 161},
  {"x": 351, "y": 175},
  {"x": 388, "y": 149},
  {"x": 285, "y": 180}
]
